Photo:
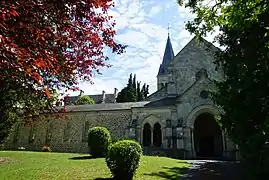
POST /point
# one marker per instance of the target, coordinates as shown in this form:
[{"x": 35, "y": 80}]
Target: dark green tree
[
  {"x": 132, "y": 92},
  {"x": 134, "y": 87},
  {"x": 138, "y": 91},
  {"x": 145, "y": 91},
  {"x": 122, "y": 95},
  {"x": 130, "y": 81},
  {"x": 244, "y": 93}
]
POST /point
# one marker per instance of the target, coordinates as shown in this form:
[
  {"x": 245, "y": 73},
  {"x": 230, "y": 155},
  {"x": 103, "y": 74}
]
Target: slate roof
[
  {"x": 167, "y": 57},
  {"x": 167, "y": 101},
  {"x": 109, "y": 98},
  {"x": 104, "y": 106}
]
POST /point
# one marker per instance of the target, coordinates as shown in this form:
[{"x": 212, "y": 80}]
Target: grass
[{"x": 40, "y": 165}]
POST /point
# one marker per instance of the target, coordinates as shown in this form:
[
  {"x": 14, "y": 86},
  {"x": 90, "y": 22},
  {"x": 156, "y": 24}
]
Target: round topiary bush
[
  {"x": 98, "y": 140},
  {"x": 123, "y": 159}
]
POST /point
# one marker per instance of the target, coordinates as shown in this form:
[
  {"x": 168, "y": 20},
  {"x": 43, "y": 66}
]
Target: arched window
[
  {"x": 147, "y": 135},
  {"x": 157, "y": 135}
]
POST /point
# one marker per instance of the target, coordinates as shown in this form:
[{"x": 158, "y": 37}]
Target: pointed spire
[
  {"x": 168, "y": 55},
  {"x": 168, "y": 52}
]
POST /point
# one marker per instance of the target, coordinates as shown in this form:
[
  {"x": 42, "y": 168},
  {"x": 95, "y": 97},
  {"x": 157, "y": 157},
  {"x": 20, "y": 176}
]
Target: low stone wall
[{"x": 68, "y": 135}]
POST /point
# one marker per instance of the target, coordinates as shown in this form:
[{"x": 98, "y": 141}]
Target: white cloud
[
  {"x": 142, "y": 25},
  {"x": 134, "y": 38},
  {"x": 154, "y": 10}
]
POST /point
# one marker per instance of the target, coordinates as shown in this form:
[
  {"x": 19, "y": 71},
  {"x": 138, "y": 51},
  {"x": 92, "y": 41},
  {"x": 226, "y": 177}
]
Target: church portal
[{"x": 207, "y": 137}]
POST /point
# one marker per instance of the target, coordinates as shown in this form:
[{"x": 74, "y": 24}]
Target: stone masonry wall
[
  {"x": 192, "y": 58},
  {"x": 158, "y": 94},
  {"x": 69, "y": 135}
]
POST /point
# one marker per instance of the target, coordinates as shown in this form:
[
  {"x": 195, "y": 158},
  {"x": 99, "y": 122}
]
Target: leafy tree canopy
[
  {"x": 243, "y": 95},
  {"x": 84, "y": 100},
  {"x": 47, "y": 45}
]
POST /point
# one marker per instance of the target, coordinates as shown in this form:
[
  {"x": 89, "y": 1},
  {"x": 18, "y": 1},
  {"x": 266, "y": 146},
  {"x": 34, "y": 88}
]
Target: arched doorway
[
  {"x": 157, "y": 135},
  {"x": 147, "y": 135},
  {"x": 207, "y": 137}
]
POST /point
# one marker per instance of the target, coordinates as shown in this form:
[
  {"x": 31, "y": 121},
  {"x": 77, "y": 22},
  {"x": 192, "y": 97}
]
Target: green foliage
[
  {"x": 123, "y": 159},
  {"x": 84, "y": 100},
  {"x": 132, "y": 92},
  {"x": 243, "y": 94},
  {"x": 1, "y": 147},
  {"x": 145, "y": 91},
  {"x": 21, "y": 105},
  {"x": 98, "y": 140},
  {"x": 7, "y": 120},
  {"x": 138, "y": 92},
  {"x": 120, "y": 139}
]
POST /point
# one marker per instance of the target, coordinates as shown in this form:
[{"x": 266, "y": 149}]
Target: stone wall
[
  {"x": 192, "y": 58},
  {"x": 161, "y": 93},
  {"x": 68, "y": 135}
]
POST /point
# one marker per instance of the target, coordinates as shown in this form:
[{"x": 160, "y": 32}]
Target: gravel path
[{"x": 212, "y": 170}]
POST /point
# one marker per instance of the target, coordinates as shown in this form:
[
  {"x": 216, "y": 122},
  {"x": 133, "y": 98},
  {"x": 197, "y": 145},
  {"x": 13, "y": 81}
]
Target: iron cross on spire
[{"x": 168, "y": 29}]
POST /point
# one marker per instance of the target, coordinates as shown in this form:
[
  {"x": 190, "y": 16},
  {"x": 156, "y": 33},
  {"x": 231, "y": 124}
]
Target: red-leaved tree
[{"x": 47, "y": 45}]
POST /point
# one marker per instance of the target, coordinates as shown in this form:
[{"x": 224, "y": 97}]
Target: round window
[{"x": 204, "y": 94}]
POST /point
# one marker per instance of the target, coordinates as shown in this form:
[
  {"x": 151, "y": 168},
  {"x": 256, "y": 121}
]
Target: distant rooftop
[{"x": 98, "y": 98}]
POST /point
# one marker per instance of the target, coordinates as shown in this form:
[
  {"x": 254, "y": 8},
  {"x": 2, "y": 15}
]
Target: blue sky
[{"x": 142, "y": 25}]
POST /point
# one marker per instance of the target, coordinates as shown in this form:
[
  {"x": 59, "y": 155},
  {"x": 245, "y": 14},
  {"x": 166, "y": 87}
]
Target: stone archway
[
  {"x": 157, "y": 135},
  {"x": 207, "y": 136},
  {"x": 147, "y": 135}
]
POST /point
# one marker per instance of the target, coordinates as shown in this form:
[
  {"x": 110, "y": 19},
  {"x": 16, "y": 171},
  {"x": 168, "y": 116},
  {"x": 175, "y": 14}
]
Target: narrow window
[
  {"x": 146, "y": 135},
  {"x": 67, "y": 132},
  {"x": 32, "y": 134},
  {"x": 49, "y": 133},
  {"x": 157, "y": 135},
  {"x": 85, "y": 132}
]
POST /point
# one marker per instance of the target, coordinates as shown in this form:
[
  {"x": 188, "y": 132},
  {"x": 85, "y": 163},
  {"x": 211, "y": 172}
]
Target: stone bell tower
[{"x": 162, "y": 77}]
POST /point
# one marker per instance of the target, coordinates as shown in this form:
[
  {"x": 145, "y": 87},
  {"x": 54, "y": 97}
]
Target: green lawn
[{"x": 21, "y": 165}]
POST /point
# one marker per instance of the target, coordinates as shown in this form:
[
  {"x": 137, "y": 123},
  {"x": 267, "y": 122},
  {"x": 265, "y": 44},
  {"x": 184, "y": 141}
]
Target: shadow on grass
[
  {"x": 172, "y": 173},
  {"x": 203, "y": 170},
  {"x": 83, "y": 157}
]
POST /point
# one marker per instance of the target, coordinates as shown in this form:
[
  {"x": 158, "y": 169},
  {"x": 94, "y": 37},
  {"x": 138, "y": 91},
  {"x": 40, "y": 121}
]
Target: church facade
[{"x": 178, "y": 120}]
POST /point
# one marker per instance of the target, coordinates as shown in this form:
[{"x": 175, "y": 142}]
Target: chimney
[
  {"x": 103, "y": 96},
  {"x": 81, "y": 93},
  {"x": 115, "y": 94}
]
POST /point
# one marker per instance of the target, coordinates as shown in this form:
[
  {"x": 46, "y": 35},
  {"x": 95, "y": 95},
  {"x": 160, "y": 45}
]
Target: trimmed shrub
[
  {"x": 98, "y": 140},
  {"x": 123, "y": 159},
  {"x": 120, "y": 139},
  {"x": 84, "y": 100}
]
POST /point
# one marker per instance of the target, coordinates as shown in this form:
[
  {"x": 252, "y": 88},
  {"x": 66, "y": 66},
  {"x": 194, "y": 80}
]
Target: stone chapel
[{"x": 178, "y": 120}]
